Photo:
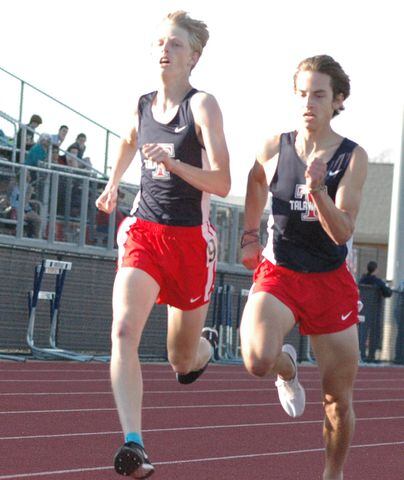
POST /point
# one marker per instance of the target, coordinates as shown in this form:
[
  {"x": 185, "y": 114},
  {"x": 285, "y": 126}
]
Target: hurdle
[
  {"x": 223, "y": 322},
  {"x": 243, "y": 293},
  {"x": 59, "y": 269},
  {"x": 15, "y": 358}
]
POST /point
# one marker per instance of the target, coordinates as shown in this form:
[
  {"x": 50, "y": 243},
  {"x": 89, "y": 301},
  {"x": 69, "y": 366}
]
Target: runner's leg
[
  {"x": 337, "y": 355},
  {"x": 265, "y": 323},
  {"x": 187, "y": 350},
  {"x": 135, "y": 293}
]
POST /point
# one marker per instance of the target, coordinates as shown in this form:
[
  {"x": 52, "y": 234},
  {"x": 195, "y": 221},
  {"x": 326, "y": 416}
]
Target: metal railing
[
  {"x": 22, "y": 87},
  {"x": 64, "y": 200}
]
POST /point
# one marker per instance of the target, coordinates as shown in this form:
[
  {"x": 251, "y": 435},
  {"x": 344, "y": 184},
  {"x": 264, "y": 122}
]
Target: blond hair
[
  {"x": 340, "y": 83},
  {"x": 197, "y": 30}
]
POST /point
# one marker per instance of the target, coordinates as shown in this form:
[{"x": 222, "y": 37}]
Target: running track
[{"x": 57, "y": 420}]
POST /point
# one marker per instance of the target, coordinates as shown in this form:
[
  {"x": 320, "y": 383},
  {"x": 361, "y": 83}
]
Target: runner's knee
[
  {"x": 181, "y": 363},
  {"x": 337, "y": 408},
  {"x": 259, "y": 366},
  {"x": 124, "y": 331}
]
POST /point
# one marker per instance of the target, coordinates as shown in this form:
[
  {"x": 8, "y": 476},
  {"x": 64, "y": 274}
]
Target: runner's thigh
[
  {"x": 337, "y": 355},
  {"x": 265, "y": 323}
]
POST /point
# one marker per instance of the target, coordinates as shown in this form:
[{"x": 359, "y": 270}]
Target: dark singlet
[
  {"x": 164, "y": 197},
  {"x": 296, "y": 238}
]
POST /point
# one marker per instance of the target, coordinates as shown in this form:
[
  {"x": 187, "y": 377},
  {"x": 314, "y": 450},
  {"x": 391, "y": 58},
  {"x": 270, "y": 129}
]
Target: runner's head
[
  {"x": 324, "y": 66},
  {"x": 180, "y": 41}
]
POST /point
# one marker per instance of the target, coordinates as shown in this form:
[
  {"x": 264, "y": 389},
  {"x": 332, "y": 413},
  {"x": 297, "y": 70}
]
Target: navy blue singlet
[
  {"x": 296, "y": 238},
  {"x": 164, "y": 197}
]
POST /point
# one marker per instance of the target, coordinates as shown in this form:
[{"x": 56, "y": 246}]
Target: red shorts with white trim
[
  {"x": 325, "y": 302},
  {"x": 182, "y": 260}
]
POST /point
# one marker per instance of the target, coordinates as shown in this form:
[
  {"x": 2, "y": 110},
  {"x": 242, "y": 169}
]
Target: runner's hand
[
  {"x": 156, "y": 153},
  {"x": 106, "y": 202},
  {"x": 251, "y": 255},
  {"x": 315, "y": 173}
]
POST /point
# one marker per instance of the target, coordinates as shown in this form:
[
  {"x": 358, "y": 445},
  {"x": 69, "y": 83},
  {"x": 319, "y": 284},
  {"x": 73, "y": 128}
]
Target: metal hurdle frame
[
  {"x": 223, "y": 322},
  {"x": 6, "y": 356},
  {"x": 242, "y": 293},
  {"x": 58, "y": 268}
]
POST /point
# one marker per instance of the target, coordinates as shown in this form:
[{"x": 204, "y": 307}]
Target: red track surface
[{"x": 58, "y": 420}]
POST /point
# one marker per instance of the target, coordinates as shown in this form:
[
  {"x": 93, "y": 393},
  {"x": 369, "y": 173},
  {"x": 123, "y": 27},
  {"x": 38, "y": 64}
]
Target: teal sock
[{"x": 134, "y": 437}]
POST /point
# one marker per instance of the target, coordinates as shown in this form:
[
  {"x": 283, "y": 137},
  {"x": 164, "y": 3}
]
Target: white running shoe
[{"x": 291, "y": 394}]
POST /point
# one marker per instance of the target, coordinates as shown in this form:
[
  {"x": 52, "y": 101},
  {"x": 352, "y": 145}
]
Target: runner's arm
[
  {"x": 338, "y": 219},
  {"x": 127, "y": 150},
  {"x": 256, "y": 199}
]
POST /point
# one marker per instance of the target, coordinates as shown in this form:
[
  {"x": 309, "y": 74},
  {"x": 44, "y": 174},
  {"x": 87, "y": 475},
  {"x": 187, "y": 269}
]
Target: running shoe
[
  {"x": 291, "y": 394},
  {"x": 131, "y": 461},
  {"x": 212, "y": 337}
]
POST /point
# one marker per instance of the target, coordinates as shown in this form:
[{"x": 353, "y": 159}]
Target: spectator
[
  {"x": 55, "y": 155},
  {"x": 69, "y": 194},
  {"x": 59, "y": 137},
  {"x": 373, "y": 309},
  {"x": 70, "y": 158},
  {"x": 399, "y": 314},
  {"x": 38, "y": 153},
  {"x": 31, "y": 217},
  {"x": 3, "y": 138},
  {"x": 34, "y": 122},
  {"x": 80, "y": 143}
]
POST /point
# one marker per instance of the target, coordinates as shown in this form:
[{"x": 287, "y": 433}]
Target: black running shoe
[
  {"x": 190, "y": 377},
  {"x": 131, "y": 461},
  {"x": 212, "y": 337}
]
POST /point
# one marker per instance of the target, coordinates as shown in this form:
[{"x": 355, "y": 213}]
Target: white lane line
[
  {"x": 195, "y": 460},
  {"x": 161, "y": 392},
  {"x": 201, "y": 427},
  {"x": 173, "y": 380},
  {"x": 179, "y": 407}
]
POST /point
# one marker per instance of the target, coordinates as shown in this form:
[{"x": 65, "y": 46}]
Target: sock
[{"x": 134, "y": 437}]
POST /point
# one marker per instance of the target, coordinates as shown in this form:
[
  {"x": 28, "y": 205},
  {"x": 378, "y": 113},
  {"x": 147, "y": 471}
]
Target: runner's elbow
[
  {"x": 342, "y": 237},
  {"x": 224, "y": 188}
]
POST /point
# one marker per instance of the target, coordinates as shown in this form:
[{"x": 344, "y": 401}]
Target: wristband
[
  {"x": 320, "y": 188},
  {"x": 249, "y": 233}
]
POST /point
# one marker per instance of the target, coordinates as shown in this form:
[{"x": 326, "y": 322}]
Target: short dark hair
[
  {"x": 81, "y": 135},
  {"x": 63, "y": 126},
  {"x": 36, "y": 119},
  {"x": 340, "y": 82},
  {"x": 372, "y": 265}
]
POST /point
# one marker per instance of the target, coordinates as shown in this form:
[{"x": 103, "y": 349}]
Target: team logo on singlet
[
  {"x": 159, "y": 171},
  {"x": 301, "y": 203}
]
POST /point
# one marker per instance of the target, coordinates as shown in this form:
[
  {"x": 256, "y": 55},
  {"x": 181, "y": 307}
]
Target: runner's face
[
  {"x": 172, "y": 50},
  {"x": 315, "y": 98}
]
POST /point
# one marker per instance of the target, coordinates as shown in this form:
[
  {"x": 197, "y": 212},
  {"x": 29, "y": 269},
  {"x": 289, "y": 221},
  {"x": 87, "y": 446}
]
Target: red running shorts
[
  {"x": 325, "y": 302},
  {"x": 182, "y": 260}
]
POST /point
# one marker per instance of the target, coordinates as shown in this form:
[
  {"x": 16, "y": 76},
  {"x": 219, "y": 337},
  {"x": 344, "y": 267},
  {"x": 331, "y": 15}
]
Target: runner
[
  {"x": 315, "y": 178},
  {"x": 168, "y": 250}
]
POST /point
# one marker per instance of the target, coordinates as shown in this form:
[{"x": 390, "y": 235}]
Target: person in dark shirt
[
  {"x": 314, "y": 178},
  {"x": 370, "y": 278},
  {"x": 167, "y": 250},
  {"x": 34, "y": 122},
  {"x": 372, "y": 299}
]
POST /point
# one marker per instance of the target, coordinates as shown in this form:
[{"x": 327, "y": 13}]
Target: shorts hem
[
  {"x": 143, "y": 269},
  {"x": 185, "y": 308},
  {"x": 329, "y": 330},
  {"x": 282, "y": 299}
]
